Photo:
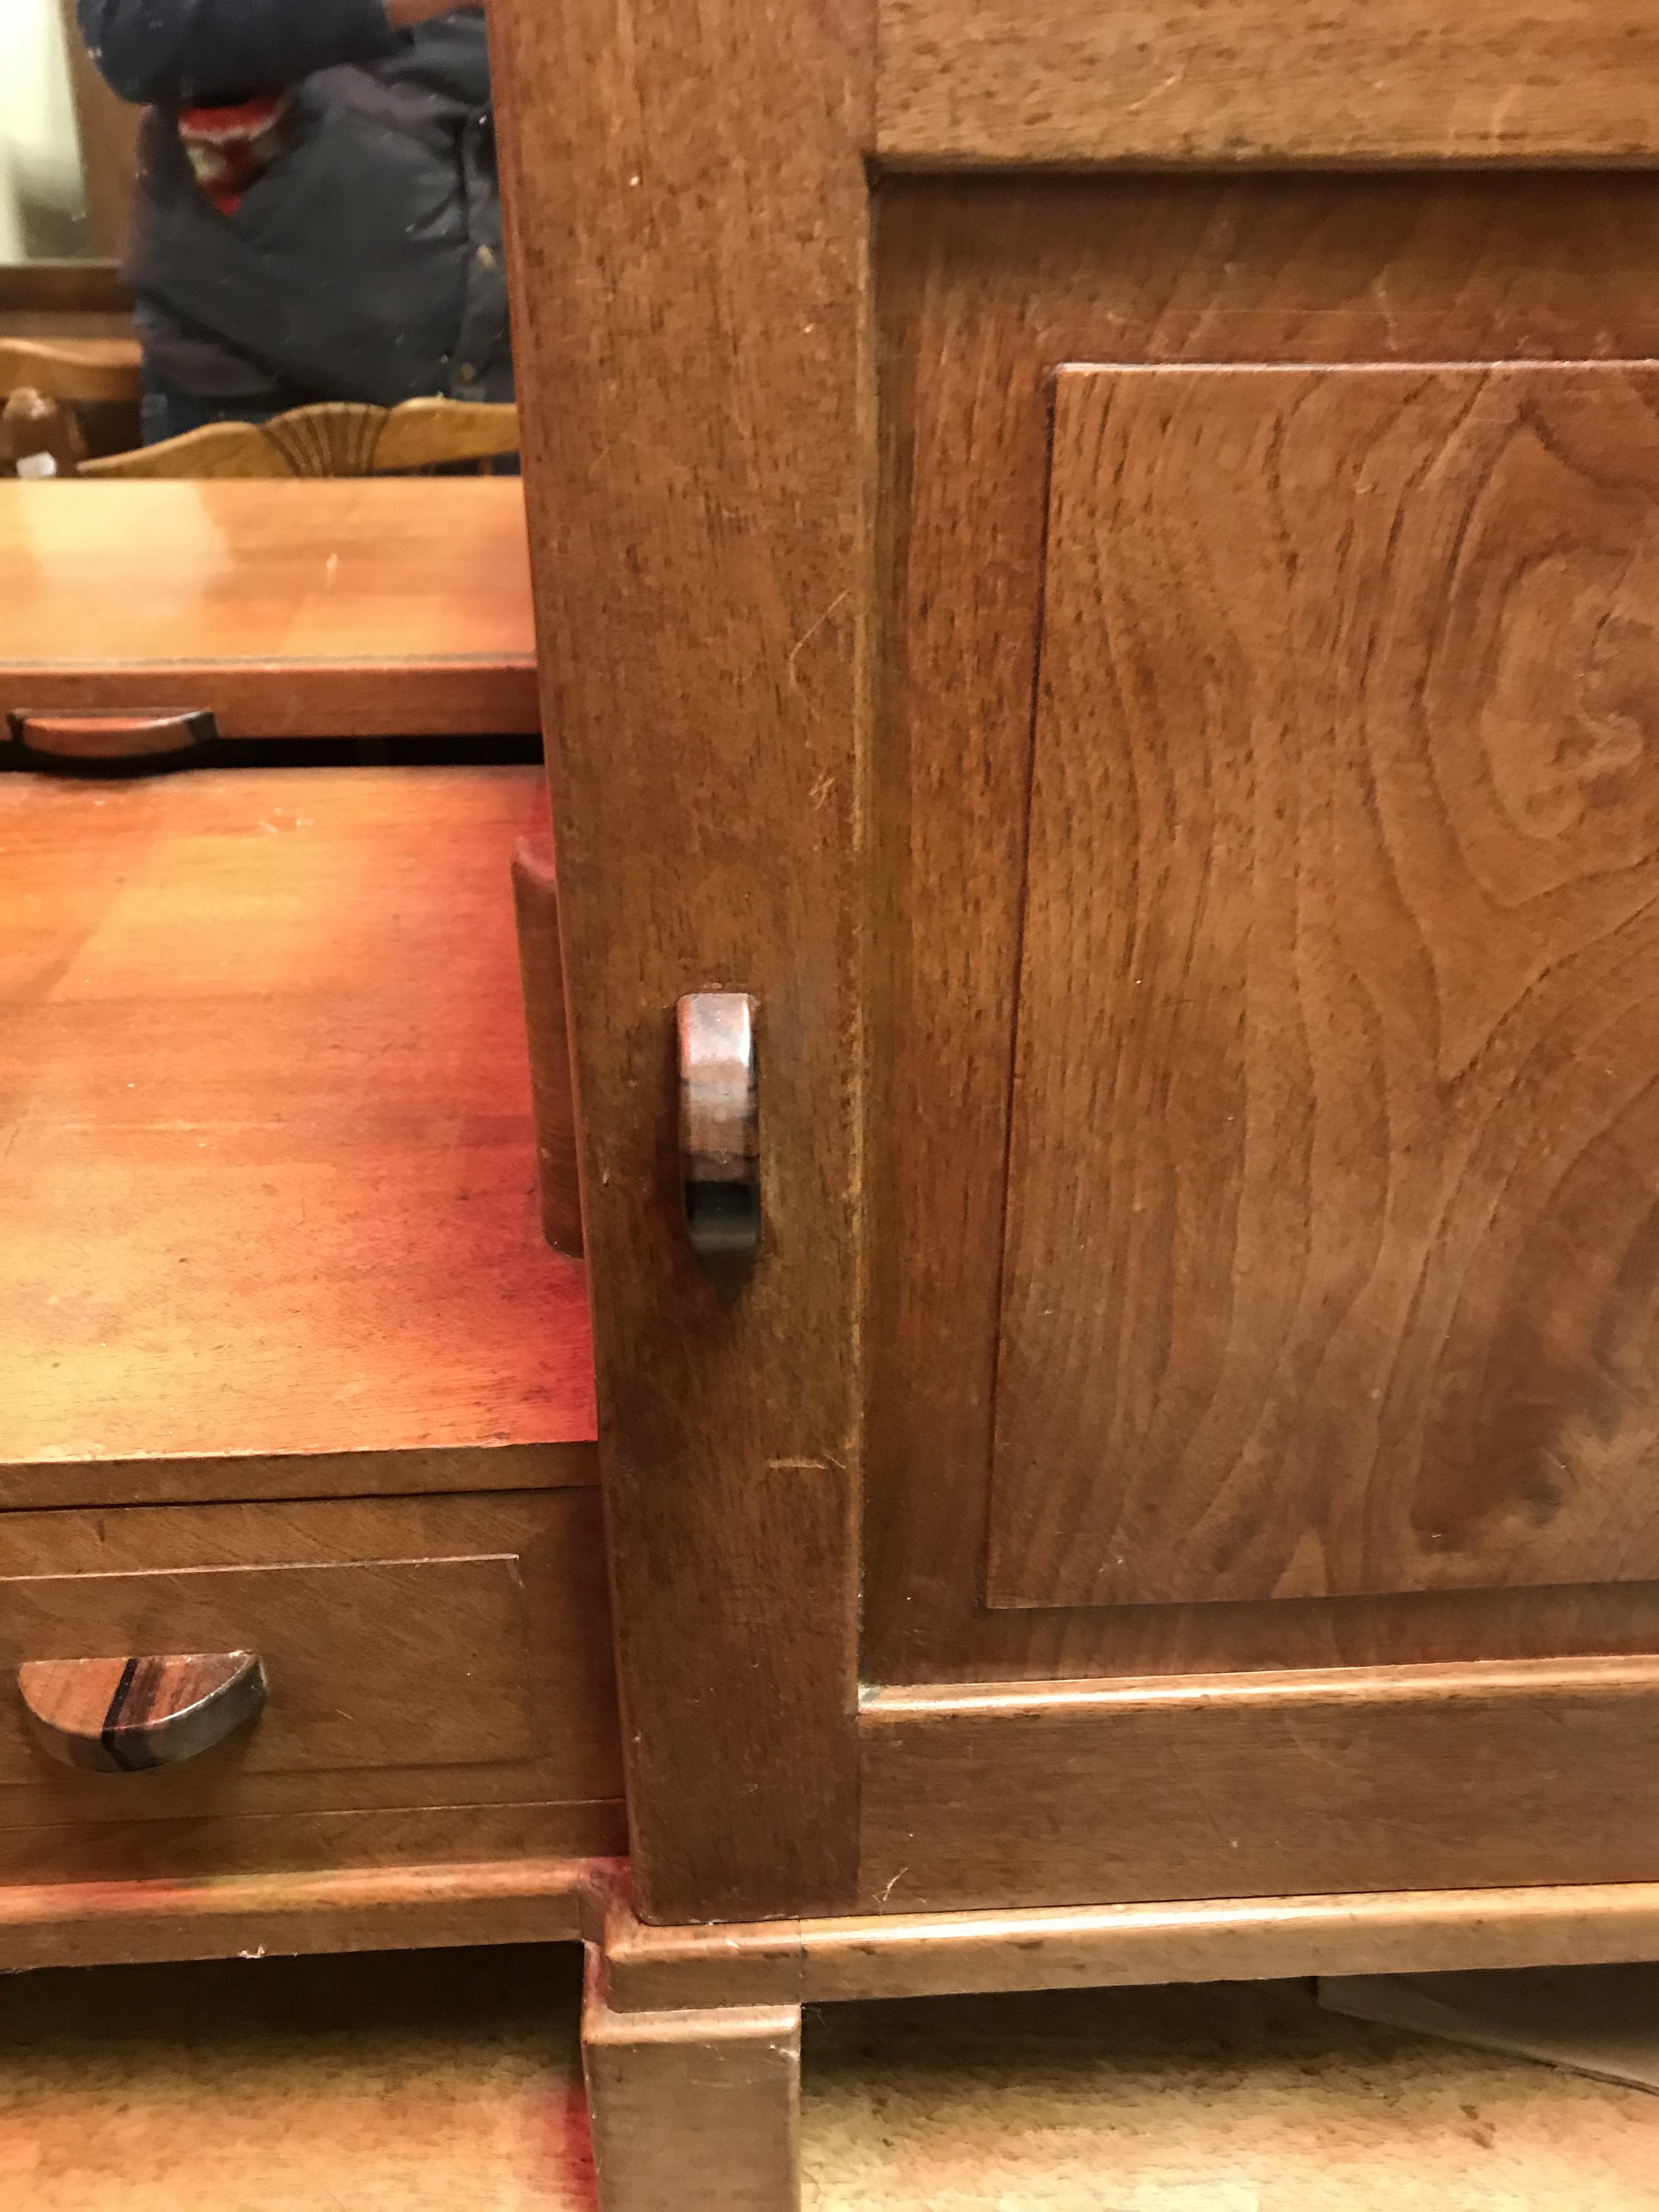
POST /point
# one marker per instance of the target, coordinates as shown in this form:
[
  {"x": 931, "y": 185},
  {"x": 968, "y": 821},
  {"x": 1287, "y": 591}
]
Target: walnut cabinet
[{"x": 1097, "y": 560}]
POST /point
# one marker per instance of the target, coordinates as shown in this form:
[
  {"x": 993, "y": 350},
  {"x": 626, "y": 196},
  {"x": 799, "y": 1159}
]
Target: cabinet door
[
  {"x": 1145, "y": 680},
  {"x": 1260, "y": 1456}
]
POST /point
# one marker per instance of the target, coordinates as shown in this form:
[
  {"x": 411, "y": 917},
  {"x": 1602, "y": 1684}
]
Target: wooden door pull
[
  {"x": 142, "y": 733},
  {"x": 120, "y": 1716},
  {"x": 720, "y": 1124}
]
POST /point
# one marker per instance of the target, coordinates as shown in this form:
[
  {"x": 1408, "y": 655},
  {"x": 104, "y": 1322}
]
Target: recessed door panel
[{"x": 1331, "y": 1240}]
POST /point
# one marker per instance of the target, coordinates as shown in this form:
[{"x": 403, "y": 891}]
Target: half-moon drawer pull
[
  {"x": 144, "y": 733},
  {"x": 119, "y": 1716}
]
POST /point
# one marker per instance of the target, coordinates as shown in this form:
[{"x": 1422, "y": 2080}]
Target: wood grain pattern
[
  {"x": 396, "y": 1712},
  {"x": 985, "y": 287},
  {"x": 1334, "y": 1153},
  {"x": 1069, "y": 82},
  {"x": 547, "y": 1033},
  {"x": 1435, "y": 1777},
  {"x": 217, "y": 1478},
  {"x": 436, "y": 1652},
  {"x": 65, "y": 1923},
  {"x": 366, "y": 607},
  {"x": 911, "y": 1955},
  {"x": 125, "y": 1715},
  {"x": 687, "y": 207},
  {"x": 696, "y": 2109},
  {"x": 110, "y": 1853},
  {"x": 276, "y": 698},
  {"x": 269, "y": 1174}
]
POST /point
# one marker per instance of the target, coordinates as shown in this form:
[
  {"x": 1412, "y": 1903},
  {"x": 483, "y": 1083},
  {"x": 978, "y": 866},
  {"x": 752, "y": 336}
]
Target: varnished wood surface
[
  {"x": 1435, "y": 1778},
  {"x": 699, "y": 2109},
  {"x": 689, "y": 343},
  {"x": 267, "y": 1165},
  {"x": 986, "y": 288},
  {"x": 396, "y": 606},
  {"x": 547, "y": 1034},
  {"x": 1329, "y": 1265},
  {"x": 363, "y": 1471},
  {"x": 111, "y": 1851},
  {"x": 1068, "y": 82},
  {"x": 906, "y": 1955},
  {"x": 68, "y": 1924},
  {"x": 439, "y": 1651},
  {"x": 136, "y": 1711}
]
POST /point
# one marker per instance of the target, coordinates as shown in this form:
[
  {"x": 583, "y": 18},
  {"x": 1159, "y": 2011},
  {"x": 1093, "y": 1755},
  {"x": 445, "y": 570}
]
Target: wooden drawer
[
  {"x": 423, "y": 1654},
  {"x": 267, "y": 1161},
  {"x": 350, "y": 607}
]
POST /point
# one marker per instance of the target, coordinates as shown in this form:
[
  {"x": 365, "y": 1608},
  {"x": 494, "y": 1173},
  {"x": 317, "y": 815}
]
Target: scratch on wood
[{"x": 812, "y": 628}]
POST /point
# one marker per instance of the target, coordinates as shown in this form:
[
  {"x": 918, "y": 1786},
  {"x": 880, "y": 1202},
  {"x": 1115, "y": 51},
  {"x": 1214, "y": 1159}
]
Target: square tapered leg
[{"x": 699, "y": 2110}]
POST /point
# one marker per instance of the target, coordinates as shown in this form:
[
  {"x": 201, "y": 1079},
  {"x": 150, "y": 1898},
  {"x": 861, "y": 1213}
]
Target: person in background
[{"x": 318, "y": 215}]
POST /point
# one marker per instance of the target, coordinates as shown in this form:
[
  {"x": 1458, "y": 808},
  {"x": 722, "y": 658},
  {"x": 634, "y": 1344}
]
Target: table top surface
[
  {"x": 408, "y": 570},
  {"x": 267, "y": 1167}
]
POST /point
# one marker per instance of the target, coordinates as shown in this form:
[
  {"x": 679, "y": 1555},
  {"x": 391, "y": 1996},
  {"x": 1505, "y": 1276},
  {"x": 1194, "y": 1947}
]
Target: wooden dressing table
[{"x": 292, "y": 1387}]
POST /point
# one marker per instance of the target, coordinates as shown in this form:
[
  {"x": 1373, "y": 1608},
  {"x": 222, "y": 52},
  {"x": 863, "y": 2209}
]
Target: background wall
[{"x": 42, "y": 198}]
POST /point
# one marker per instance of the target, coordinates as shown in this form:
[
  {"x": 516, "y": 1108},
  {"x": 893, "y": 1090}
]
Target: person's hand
[{"x": 403, "y": 13}]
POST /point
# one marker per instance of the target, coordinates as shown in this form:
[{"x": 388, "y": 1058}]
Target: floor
[{"x": 448, "y": 2082}]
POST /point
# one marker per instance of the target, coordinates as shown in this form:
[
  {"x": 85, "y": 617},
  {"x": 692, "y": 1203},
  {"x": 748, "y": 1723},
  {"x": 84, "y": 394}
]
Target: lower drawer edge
[{"x": 256, "y": 1916}]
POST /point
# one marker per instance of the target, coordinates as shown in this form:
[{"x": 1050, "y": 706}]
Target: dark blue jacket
[{"x": 365, "y": 263}]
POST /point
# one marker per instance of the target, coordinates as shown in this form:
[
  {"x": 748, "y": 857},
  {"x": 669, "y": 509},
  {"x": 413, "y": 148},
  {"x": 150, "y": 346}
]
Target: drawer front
[
  {"x": 366, "y": 607},
  {"x": 417, "y": 1651}
]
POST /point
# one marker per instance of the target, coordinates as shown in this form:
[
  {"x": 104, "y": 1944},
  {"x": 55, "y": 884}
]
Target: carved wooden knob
[{"x": 120, "y": 1716}]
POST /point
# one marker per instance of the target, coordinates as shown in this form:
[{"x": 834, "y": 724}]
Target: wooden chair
[
  {"x": 39, "y": 436},
  {"x": 46, "y": 383},
  {"x": 79, "y": 370},
  {"x": 337, "y": 438}
]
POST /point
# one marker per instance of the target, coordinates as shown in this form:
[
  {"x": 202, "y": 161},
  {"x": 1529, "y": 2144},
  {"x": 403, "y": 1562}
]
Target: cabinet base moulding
[
  {"x": 249, "y": 1916},
  {"x": 1104, "y": 1946}
]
